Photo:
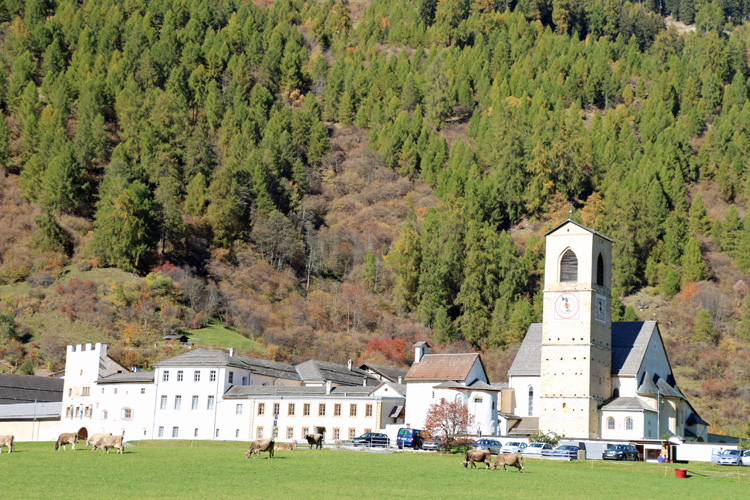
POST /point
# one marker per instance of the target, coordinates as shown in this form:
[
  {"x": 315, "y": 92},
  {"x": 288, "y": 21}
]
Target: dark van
[{"x": 409, "y": 438}]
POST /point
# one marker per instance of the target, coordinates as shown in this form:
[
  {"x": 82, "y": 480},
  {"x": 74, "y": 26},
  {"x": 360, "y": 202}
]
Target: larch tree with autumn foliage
[{"x": 447, "y": 421}]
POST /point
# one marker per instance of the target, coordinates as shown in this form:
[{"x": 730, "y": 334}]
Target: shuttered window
[
  {"x": 600, "y": 271},
  {"x": 569, "y": 266}
]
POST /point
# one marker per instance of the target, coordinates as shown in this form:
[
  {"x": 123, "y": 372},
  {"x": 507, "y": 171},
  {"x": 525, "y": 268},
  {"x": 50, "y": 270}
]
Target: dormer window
[
  {"x": 568, "y": 267},
  {"x": 600, "y": 271}
]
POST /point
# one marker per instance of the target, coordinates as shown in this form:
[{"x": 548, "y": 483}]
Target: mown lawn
[
  {"x": 218, "y": 470},
  {"x": 216, "y": 334}
]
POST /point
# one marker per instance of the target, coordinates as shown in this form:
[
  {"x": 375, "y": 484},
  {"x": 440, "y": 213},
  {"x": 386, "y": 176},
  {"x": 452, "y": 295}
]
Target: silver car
[
  {"x": 731, "y": 457},
  {"x": 746, "y": 458},
  {"x": 513, "y": 447}
]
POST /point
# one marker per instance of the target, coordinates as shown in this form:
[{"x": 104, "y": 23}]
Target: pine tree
[
  {"x": 693, "y": 267},
  {"x": 699, "y": 223},
  {"x": 404, "y": 262},
  {"x": 370, "y": 278},
  {"x": 346, "y": 110}
]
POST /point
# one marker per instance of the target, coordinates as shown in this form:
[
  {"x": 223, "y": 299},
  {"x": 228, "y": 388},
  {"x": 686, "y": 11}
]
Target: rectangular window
[
  {"x": 163, "y": 405},
  {"x": 322, "y": 410},
  {"x": 195, "y": 432},
  {"x": 276, "y": 408},
  {"x": 115, "y": 390},
  {"x": 85, "y": 391},
  {"x": 261, "y": 408},
  {"x": 143, "y": 390},
  {"x": 336, "y": 433},
  {"x": 127, "y": 414},
  {"x": 217, "y": 432},
  {"x": 368, "y": 430},
  {"x": 87, "y": 411},
  {"x": 179, "y": 375},
  {"x": 175, "y": 432},
  {"x": 368, "y": 410},
  {"x": 177, "y": 402},
  {"x": 231, "y": 377},
  {"x": 290, "y": 432},
  {"x": 290, "y": 410},
  {"x": 236, "y": 433},
  {"x": 104, "y": 414},
  {"x": 244, "y": 380},
  {"x": 305, "y": 431},
  {"x": 194, "y": 406},
  {"x": 478, "y": 400},
  {"x": 210, "y": 405},
  {"x": 352, "y": 433},
  {"x": 212, "y": 376},
  {"x": 165, "y": 376},
  {"x": 238, "y": 409},
  {"x": 161, "y": 431},
  {"x": 69, "y": 411},
  {"x": 306, "y": 410},
  {"x": 259, "y": 432},
  {"x": 337, "y": 410},
  {"x": 70, "y": 392},
  {"x": 197, "y": 376},
  {"x": 353, "y": 410},
  {"x": 275, "y": 433}
]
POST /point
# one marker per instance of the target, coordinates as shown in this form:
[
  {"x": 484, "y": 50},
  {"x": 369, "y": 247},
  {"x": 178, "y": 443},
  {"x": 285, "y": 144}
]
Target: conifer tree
[
  {"x": 693, "y": 267},
  {"x": 699, "y": 223}
]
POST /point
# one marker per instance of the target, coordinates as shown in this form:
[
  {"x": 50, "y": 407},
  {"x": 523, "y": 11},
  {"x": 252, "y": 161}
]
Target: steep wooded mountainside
[{"x": 339, "y": 179}]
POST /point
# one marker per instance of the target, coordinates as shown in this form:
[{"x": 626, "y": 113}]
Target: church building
[{"x": 579, "y": 375}]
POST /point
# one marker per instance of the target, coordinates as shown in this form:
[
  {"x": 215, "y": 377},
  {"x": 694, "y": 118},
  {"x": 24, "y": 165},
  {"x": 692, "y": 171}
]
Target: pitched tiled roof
[
  {"x": 26, "y": 389},
  {"x": 525, "y": 427},
  {"x": 249, "y": 391},
  {"x": 210, "y": 357},
  {"x": 528, "y": 359},
  {"x": 628, "y": 404},
  {"x": 314, "y": 371},
  {"x": 388, "y": 372},
  {"x": 31, "y": 411},
  {"x": 434, "y": 367},
  {"x": 127, "y": 377}
]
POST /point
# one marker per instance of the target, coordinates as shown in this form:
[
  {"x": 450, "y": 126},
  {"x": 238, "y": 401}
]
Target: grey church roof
[
  {"x": 210, "y": 357},
  {"x": 320, "y": 371},
  {"x": 250, "y": 391},
  {"x": 627, "y": 404},
  {"x": 647, "y": 387},
  {"x": 26, "y": 389},
  {"x": 529, "y": 356},
  {"x": 31, "y": 411},
  {"x": 126, "y": 377},
  {"x": 388, "y": 372},
  {"x": 629, "y": 344}
]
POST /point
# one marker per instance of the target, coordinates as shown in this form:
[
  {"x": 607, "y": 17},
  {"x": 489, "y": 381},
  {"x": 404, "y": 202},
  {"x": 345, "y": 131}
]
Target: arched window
[
  {"x": 628, "y": 424},
  {"x": 569, "y": 266},
  {"x": 531, "y": 401},
  {"x": 600, "y": 270},
  {"x": 610, "y": 423},
  {"x": 616, "y": 393}
]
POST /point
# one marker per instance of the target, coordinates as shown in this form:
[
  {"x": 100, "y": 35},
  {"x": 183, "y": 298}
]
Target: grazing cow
[
  {"x": 509, "y": 459},
  {"x": 66, "y": 438},
  {"x": 259, "y": 445},
  {"x": 286, "y": 446},
  {"x": 314, "y": 440},
  {"x": 95, "y": 437},
  {"x": 107, "y": 442},
  {"x": 477, "y": 456},
  {"x": 6, "y": 441}
]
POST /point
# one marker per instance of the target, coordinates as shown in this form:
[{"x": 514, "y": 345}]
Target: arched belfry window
[
  {"x": 600, "y": 270},
  {"x": 531, "y": 401},
  {"x": 569, "y": 266}
]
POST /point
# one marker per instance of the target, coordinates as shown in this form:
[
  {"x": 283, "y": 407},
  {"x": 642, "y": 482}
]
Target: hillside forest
[{"x": 339, "y": 179}]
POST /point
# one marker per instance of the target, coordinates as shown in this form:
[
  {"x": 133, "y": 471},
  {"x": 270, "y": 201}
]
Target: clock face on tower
[{"x": 567, "y": 305}]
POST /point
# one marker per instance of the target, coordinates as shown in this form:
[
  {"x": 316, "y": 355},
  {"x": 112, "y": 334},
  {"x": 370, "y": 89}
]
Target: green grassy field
[
  {"x": 217, "y": 334},
  {"x": 218, "y": 470}
]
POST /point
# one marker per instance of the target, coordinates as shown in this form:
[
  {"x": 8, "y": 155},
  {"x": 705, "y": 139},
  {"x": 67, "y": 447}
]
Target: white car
[
  {"x": 513, "y": 447},
  {"x": 537, "y": 449},
  {"x": 746, "y": 458}
]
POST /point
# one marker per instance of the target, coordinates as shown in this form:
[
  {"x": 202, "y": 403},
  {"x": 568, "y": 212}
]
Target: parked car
[
  {"x": 432, "y": 445},
  {"x": 409, "y": 438},
  {"x": 537, "y": 449},
  {"x": 565, "y": 451},
  {"x": 746, "y": 458},
  {"x": 715, "y": 454},
  {"x": 621, "y": 452},
  {"x": 371, "y": 439},
  {"x": 489, "y": 444},
  {"x": 513, "y": 447},
  {"x": 731, "y": 457}
]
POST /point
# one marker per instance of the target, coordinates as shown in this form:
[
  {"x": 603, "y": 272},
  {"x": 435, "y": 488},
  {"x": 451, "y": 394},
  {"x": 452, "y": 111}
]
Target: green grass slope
[{"x": 218, "y": 335}]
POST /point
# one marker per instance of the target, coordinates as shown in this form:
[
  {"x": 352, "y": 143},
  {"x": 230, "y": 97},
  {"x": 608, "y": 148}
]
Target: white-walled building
[
  {"x": 453, "y": 377},
  {"x": 579, "y": 375}
]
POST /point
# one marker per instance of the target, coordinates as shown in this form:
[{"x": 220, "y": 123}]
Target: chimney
[
  {"x": 350, "y": 365},
  {"x": 231, "y": 351},
  {"x": 399, "y": 380},
  {"x": 364, "y": 381},
  {"x": 328, "y": 386},
  {"x": 420, "y": 351}
]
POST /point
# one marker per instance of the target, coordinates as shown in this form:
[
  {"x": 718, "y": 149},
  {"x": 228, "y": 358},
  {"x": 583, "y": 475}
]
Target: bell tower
[{"x": 576, "y": 345}]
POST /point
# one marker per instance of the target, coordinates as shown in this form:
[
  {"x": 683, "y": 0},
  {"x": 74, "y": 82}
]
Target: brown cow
[
  {"x": 259, "y": 445},
  {"x": 509, "y": 459},
  {"x": 314, "y": 440},
  {"x": 107, "y": 442},
  {"x": 95, "y": 437},
  {"x": 7, "y": 441},
  {"x": 286, "y": 446},
  {"x": 477, "y": 456},
  {"x": 66, "y": 438}
]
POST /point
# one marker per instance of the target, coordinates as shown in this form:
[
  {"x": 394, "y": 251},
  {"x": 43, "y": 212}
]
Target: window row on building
[
  {"x": 194, "y": 405},
  {"x": 611, "y": 423},
  {"x": 290, "y": 434},
  {"x": 307, "y": 407},
  {"x": 180, "y": 376}
]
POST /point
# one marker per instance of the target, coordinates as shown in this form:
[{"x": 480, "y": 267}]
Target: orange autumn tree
[{"x": 447, "y": 421}]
